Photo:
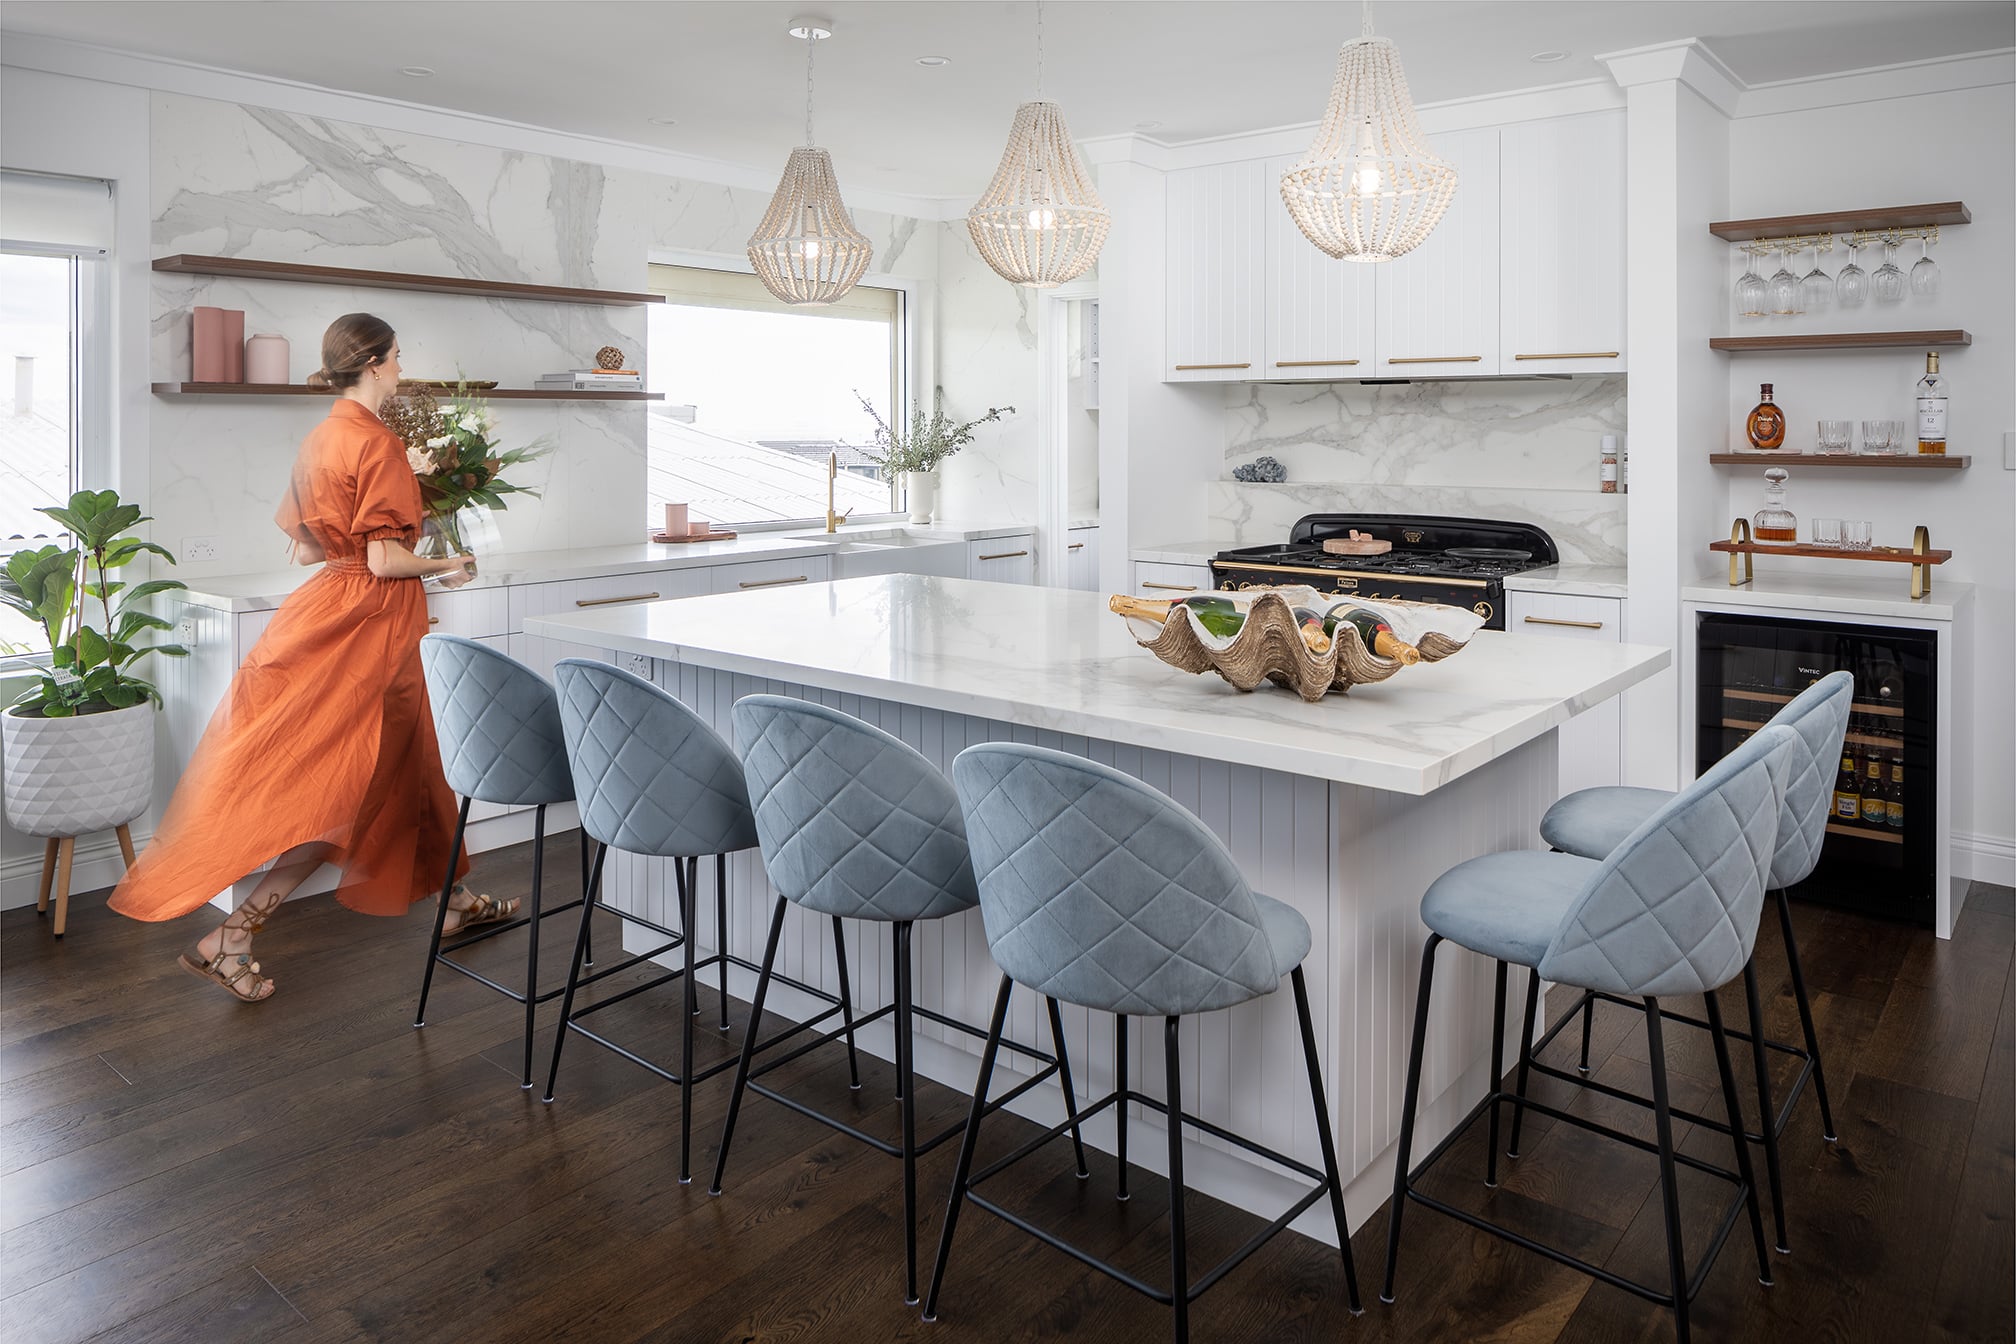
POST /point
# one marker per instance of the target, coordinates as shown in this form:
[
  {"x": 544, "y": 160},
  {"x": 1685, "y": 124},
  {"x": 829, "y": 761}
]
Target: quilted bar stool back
[
  {"x": 499, "y": 729},
  {"x": 1099, "y": 890}
]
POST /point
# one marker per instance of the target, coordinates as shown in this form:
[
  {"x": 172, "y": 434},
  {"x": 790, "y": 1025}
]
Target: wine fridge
[{"x": 1879, "y": 854}]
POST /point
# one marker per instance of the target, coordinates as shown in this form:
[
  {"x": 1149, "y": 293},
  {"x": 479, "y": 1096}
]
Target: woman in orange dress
[{"x": 324, "y": 749}]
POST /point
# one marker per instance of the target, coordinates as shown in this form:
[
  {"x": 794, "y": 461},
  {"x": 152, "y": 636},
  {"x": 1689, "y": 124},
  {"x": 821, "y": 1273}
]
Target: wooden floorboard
[{"x": 315, "y": 1170}]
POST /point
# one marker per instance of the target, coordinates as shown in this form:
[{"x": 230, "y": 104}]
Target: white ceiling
[{"x": 1175, "y": 69}]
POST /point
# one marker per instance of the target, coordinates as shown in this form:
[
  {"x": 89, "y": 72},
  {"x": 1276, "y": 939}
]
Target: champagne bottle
[
  {"x": 1219, "y": 616},
  {"x": 1374, "y": 631},
  {"x": 1314, "y": 632}
]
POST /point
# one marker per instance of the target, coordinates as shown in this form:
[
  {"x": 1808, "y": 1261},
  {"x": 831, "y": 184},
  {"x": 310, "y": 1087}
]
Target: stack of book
[{"x": 592, "y": 380}]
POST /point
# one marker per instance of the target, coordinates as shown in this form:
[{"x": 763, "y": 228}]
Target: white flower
[
  {"x": 471, "y": 424},
  {"x": 422, "y": 464},
  {"x": 440, "y": 442}
]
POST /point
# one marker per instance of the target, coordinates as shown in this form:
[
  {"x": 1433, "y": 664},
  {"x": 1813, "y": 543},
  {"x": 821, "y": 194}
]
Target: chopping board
[{"x": 1356, "y": 544}]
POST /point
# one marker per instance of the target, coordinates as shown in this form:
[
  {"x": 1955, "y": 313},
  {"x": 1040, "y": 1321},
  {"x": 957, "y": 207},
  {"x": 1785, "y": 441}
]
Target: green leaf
[
  {"x": 63, "y": 656},
  {"x": 102, "y": 592},
  {"x": 131, "y": 623},
  {"x": 123, "y": 696},
  {"x": 142, "y": 591},
  {"x": 91, "y": 647}
]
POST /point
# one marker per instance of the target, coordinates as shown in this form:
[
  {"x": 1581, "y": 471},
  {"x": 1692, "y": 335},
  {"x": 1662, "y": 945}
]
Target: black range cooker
[{"x": 1461, "y": 562}]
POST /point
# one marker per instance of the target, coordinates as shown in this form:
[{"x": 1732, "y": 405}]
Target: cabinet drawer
[
  {"x": 1566, "y": 615},
  {"x": 769, "y": 574},
  {"x": 475, "y": 613},
  {"x": 544, "y": 599},
  {"x": 1158, "y": 579},
  {"x": 1002, "y": 559}
]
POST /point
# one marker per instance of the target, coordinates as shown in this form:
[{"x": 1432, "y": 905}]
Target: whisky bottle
[
  {"x": 1893, "y": 813},
  {"x": 1847, "y": 795},
  {"x": 1767, "y": 423},
  {"x": 1932, "y": 408},
  {"x": 1875, "y": 797},
  {"x": 1373, "y": 629}
]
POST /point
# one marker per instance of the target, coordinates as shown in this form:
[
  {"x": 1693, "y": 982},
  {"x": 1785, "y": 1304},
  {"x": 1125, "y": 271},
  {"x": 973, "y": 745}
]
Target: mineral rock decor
[{"x": 1265, "y": 470}]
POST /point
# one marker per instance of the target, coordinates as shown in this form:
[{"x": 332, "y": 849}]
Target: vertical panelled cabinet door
[
  {"x": 1437, "y": 307},
  {"x": 1216, "y": 273},
  {"x": 1562, "y": 232},
  {"x": 1319, "y": 309}
]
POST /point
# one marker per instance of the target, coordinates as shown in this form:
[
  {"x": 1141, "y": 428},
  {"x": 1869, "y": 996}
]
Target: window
[
  {"x": 53, "y": 237},
  {"x": 758, "y": 393}
]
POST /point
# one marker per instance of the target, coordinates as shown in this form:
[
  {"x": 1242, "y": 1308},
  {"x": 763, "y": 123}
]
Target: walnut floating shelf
[
  {"x": 1911, "y": 462},
  {"x": 242, "y": 268},
  {"x": 299, "y": 390},
  {"x": 1841, "y": 221},
  {"x": 1840, "y": 340}
]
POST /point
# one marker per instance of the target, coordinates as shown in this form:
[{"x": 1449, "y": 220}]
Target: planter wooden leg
[
  {"x": 126, "y": 847},
  {"x": 48, "y": 876},
  {"x": 66, "y": 850}
]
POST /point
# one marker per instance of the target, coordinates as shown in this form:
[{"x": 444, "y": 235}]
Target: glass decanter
[{"x": 1774, "y": 522}]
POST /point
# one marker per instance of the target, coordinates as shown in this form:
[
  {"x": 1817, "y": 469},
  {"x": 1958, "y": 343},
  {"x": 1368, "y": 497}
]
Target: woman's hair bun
[{"x": 353, "y": 343}]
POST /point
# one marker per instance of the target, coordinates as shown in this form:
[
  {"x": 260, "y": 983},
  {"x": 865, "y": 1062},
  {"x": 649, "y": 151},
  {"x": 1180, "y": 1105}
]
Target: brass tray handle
[
  {"x": 775, "y": 583},
  {"x": 1551, "y": 620},
  {"x": 612, "y": 601},
  {"x": 1004, "y": 555}
]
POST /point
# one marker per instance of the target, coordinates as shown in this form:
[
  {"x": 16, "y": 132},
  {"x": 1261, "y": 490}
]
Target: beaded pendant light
[
  {"x": 807, "y": 250},
  {"x": 1040, "y": 222},
  {"x": 1370, "y": 188}
]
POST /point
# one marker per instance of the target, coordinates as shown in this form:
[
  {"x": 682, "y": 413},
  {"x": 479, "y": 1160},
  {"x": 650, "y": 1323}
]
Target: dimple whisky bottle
[{"x": 1767, "y": 423}]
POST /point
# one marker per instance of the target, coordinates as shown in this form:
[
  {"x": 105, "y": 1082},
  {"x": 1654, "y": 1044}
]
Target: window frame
[{"x": 911, "y": 368}]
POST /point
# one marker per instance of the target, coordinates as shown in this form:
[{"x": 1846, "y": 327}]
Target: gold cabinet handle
[
  {"x": 1311, "y": 363},
  {"x": 433, "y": 620},
  {"x": 1186, "y": 368},
  {"x": 1439, "y": 359},
  {"x": 612, "y": 601},
  {"x": 1172, "y": 587},
  {"x": 1550, "y": 620},
  {"x": 1004, "y": 555},
  {"x": 774, "y": 583},
  {"x": 1075, "y": 546},
  {"x": 1574, "y": 354}
]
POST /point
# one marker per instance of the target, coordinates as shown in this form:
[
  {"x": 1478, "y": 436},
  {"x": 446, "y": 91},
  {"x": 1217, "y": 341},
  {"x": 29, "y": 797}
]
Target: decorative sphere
[{"x": 608, "y": 357}]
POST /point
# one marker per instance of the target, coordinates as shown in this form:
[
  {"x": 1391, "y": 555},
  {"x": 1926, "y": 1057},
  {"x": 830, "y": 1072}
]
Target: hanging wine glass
[
  {"x": 1817, "y": 289},
  {"x": 1925, "y": 275},
  {"x": 1750, "y": 287},
  {"x": 1785, "y": 287},
  {"x": 1851, "y": 285},
  {"x": 1888, "y": 281}
]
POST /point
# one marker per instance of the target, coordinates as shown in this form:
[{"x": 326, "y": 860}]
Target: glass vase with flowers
[{"x": 455, "y": 454}]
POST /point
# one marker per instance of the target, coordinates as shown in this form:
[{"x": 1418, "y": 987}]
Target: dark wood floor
[{"x": 174, "y": 1166}]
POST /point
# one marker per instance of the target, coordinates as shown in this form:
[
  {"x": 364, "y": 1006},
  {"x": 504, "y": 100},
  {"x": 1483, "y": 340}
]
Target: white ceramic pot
[
  {"x": 921, "y": 487},
  {"x": 77, "y": 775}
]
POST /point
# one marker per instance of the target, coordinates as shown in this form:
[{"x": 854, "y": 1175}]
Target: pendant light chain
[
  {"x": 811, "y": 45},
  {"x": 1039, "y": 50},
  {"x": 1365, "y": 20}
]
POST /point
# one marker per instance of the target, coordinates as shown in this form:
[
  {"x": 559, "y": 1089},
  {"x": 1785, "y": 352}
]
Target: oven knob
[
  {"x": 1483, "y": 609},
  {"x": 1226, "y": 586}
]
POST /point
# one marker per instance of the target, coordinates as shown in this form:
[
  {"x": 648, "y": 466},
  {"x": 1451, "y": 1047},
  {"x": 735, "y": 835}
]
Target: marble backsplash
[{"x": 1518, "y": 450}]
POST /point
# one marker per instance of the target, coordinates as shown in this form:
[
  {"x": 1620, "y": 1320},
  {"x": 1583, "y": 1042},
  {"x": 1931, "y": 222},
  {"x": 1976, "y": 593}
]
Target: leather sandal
[
  {"x": 482, "y": 909},
  {"x": 235, "y": 971}
]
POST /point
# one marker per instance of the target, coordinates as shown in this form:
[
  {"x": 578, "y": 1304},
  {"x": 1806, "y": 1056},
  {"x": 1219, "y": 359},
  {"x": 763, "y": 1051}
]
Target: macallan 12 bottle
[
  {"x": 1932, "y": 408},
  {"x": 1767, "y": 422}
]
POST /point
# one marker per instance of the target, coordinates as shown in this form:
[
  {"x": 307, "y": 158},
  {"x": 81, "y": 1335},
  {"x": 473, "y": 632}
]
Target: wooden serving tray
[
  {"x": 1356, "y": 545},
  {"x": 667, "y": 539}
]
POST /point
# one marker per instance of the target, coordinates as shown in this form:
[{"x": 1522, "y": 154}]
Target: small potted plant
[
  {"x": 915, "y": 451},
  {"x": 79, "y": 743}
]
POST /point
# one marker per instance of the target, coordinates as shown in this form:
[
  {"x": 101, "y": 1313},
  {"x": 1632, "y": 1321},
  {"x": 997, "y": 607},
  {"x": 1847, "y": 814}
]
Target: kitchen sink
[{"x": 888, "y": 551}]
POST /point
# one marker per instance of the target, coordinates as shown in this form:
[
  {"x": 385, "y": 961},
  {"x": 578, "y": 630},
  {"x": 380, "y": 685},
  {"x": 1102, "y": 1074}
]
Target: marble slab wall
[
  {"x": 986, "y": 357},
  {"x": 1519, "y": 450}
]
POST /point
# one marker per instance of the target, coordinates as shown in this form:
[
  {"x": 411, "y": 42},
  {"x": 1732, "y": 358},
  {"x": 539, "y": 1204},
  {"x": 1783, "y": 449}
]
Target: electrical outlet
[
  {"x": 639, "y": 664},
  {"x": 185, "y": 632},
  {"x": 198, "y": 550}
]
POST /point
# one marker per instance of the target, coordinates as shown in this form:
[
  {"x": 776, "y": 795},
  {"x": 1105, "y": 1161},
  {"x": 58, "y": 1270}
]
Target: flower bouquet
[{"x": 453, "y": 450}]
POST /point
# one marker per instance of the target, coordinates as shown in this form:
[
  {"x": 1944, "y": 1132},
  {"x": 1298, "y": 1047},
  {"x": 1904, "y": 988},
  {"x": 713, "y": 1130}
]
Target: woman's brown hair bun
[{"x": 353, "y": 343}]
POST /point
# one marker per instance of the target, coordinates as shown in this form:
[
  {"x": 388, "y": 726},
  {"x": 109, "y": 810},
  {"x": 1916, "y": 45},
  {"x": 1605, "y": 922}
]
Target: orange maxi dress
[{"x": 326, "y": 737}]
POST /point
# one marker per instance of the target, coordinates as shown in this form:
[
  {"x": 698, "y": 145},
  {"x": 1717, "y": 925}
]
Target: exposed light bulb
[
  {"x": 809, "y": 250},
  {"x": 1365, "y": 180},
  {"x": 1043, "y": 218}
]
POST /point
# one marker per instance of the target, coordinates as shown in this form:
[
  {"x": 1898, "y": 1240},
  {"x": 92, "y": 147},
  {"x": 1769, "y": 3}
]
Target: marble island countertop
[{"x": 1048, "y": 658}]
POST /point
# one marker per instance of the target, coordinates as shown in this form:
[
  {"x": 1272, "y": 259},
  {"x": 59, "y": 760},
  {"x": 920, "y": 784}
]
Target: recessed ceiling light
[
  {"x": 663, "y": 121},
  {"x": 417, "y": 71},
  {"x": 1147, "y": 125},
  {"x": 934, "y": 61},
  {"x": 1548, "y": 57}
]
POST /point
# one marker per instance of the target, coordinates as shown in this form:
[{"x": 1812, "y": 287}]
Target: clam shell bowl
[{"x": 1269, "y": 647}]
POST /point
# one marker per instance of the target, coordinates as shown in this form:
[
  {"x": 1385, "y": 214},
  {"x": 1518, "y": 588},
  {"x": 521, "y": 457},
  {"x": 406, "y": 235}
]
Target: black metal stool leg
[
  {"x": 1827, "y": 1130},
  {"x": 688, "y": 874},
  {"x": 846, "y": 1003},
  {"x": 588, "y": 948},
  {"x": 967, "y": 1143},
  {"x": 748, "y": 1044},
  {"x": 1669, "y": 1190},
  {"x": 721, "y": 929},
  {"x": 1741, "y": 1140},
  {"x": 1064, "y": 1078},
  {"x": 532, "y": 942},
  {"x": 1120, "y": 1107},
  {"x": 1407, "y": 1105},
  {"x": 1525, "y": 1057},
  {"x": 574, "y": 970},
  {"x": 906, "y": 1069},
  {"x": 1179, "y": 1241},
  {"x": 1767, "y": 1113},
  {"x": 1497, "y": 1073},
  {"x": 441, "y": 914},
  {"x": 1588, "y": 1017},
  {"x": 1329, "y": 1146}
]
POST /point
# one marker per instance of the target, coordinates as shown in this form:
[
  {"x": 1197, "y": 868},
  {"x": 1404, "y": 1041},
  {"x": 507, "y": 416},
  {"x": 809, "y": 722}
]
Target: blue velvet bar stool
[
  {"x": 651, "y": 778},
  {"x": 856, "y": 824},
  {"x": 1672, "y": 910},
  {"x": 1098, "y": 890},
  {"x": 499, "y": 729},
  {"x": 1593, "y": 822}
]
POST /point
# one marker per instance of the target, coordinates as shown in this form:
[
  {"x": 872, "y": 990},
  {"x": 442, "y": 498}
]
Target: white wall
[{"x": 1957, "y": 145}]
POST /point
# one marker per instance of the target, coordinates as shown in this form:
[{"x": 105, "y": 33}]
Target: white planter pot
[
  {"x": 921, "y": 488},
  {"x": 77, "y": 775}
]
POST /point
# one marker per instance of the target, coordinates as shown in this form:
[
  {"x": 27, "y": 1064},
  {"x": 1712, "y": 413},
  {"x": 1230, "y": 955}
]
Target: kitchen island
[{"x": 1346, "y": 809}]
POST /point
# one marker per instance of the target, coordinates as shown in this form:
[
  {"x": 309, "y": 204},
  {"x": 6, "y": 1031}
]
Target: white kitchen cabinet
[
  {"x": 1010, "y": 559},
  {"x": 1216, "y": 273},
  {"x": 1436, "y": 308},
  {"x": 1319, "y": 319},
  {"x": 544, "y": 599},
  {"x": 1161, "y": 579},
  {"x": 1081, "y": 559},
  {"x": 1591, "y": 744},
  {"x": 1561, "y": 195},
  {"x": 474, "y": 613},
  {"x": 767, "y": 574}
]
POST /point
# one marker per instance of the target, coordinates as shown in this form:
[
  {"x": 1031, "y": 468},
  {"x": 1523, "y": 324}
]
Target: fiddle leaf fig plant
[{"x": 70, "y": 593}]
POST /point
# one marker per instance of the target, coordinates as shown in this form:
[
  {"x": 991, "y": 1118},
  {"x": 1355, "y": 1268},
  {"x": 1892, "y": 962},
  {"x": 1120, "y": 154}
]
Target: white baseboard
[{"x": 1985, "y": 858}]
